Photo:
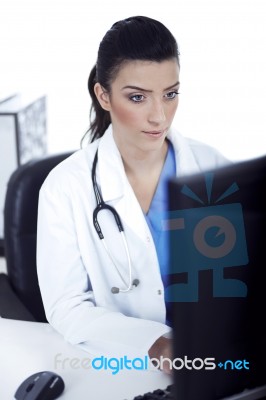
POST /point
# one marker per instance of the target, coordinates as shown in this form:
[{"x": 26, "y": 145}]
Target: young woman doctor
[{"x": 101, "y": 278}]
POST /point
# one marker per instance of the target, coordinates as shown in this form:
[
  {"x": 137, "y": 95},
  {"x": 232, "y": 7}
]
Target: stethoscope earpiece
[{"x": 101, "y": 205}]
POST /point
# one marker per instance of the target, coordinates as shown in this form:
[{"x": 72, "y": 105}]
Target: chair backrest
[{"x": 20, "y": 229}]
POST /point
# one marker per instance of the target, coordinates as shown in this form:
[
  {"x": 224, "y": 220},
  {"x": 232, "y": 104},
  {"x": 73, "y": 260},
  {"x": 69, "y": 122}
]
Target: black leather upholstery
[{"x": 20, "y": 226}]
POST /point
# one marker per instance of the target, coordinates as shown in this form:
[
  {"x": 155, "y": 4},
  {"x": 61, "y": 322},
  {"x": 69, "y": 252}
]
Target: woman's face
[{"x": 142, "y": 103}]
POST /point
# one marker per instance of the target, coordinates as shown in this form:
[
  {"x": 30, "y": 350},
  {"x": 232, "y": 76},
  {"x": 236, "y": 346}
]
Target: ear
[{"x": 102, "y": 96}]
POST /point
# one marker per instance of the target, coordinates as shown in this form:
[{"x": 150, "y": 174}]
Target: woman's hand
[{"x": 162, "y": 349}]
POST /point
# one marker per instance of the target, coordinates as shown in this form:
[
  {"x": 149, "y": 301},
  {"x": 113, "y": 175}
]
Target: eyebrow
[{"x": 149, "y": 91}]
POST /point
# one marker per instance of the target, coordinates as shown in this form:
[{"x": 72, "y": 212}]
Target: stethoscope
[{"x": 101, "y": 205}]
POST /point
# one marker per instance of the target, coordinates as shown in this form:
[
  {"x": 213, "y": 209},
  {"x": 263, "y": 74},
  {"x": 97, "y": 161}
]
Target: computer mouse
[{"x": 45, "y": 385}]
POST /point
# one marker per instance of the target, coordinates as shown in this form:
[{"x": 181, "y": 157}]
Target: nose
[{"x": 157, "y": 113}]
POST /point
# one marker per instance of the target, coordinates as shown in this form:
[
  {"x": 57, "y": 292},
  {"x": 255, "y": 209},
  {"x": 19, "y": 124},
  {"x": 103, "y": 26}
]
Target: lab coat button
[
  {"x": 159, "y": 292},
  {"x": 148, "y": 239}
]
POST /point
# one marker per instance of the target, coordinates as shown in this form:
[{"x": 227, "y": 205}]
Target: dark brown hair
[{"x": 134, "y": 38}]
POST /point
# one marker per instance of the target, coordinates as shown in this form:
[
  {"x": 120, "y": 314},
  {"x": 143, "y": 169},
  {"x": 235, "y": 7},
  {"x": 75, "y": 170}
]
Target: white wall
[{"x": 49, "y": 46}]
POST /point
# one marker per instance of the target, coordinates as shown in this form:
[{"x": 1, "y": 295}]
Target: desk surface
[{"x": 30, "y": 347}]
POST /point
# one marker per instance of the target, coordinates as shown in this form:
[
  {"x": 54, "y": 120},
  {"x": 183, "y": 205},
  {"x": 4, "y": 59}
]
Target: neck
[
  {"x": 143, "y": 169},
  {"x": 137, "y": 162}
]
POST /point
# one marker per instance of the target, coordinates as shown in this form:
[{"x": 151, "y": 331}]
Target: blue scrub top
[{"x": 154, "y": 217}]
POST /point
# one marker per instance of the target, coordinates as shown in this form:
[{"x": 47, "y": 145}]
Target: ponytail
[{"x": 99, "y": 118}]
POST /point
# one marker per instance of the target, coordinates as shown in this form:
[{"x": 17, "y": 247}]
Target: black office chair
[{"x": 20, "y": 296}]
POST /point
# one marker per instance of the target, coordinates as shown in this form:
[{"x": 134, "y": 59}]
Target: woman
[{"x": 110, "y": 299}]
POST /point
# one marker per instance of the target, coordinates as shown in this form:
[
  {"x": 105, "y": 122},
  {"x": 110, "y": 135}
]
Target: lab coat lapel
[
  {"x": 185, "y": 160},
  {"x": 115, "y": 187},
  {"x": 110, "y": 172}
]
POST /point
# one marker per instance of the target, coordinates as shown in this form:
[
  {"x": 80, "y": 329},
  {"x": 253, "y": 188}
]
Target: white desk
[{"x": 29, "y": 347}]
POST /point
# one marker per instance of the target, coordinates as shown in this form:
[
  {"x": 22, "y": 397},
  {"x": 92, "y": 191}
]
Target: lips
[{"x": 156, "y": 134}]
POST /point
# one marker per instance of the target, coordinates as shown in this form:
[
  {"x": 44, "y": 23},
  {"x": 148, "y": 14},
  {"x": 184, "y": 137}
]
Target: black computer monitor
[{"x": 216, "y": 229}]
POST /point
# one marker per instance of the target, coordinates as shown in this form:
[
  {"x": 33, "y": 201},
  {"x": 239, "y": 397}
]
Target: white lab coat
[{"x": 74, "y": 270}]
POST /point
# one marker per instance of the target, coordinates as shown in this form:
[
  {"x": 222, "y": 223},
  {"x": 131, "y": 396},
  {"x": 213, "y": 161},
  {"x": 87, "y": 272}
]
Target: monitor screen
[{"x": 216, "y": 233}]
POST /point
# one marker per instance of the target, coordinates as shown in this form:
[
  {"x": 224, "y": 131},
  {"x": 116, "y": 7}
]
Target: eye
[
  {"x": 137, "y": 98},
  {"x": 172, "y": 95}
]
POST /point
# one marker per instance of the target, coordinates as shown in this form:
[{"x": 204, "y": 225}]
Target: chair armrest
[{"x": 10, "y": 305}]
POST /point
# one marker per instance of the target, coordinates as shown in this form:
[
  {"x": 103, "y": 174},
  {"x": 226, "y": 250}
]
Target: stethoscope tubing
[{"x": 101, "y": 205}]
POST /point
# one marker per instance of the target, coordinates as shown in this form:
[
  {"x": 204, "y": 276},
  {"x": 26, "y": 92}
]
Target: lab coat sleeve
[{"x": 65, "y": 287}]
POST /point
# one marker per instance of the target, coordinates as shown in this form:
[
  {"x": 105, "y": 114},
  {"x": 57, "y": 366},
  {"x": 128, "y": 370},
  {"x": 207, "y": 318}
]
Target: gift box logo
[{"x": 211, "y": 237}]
